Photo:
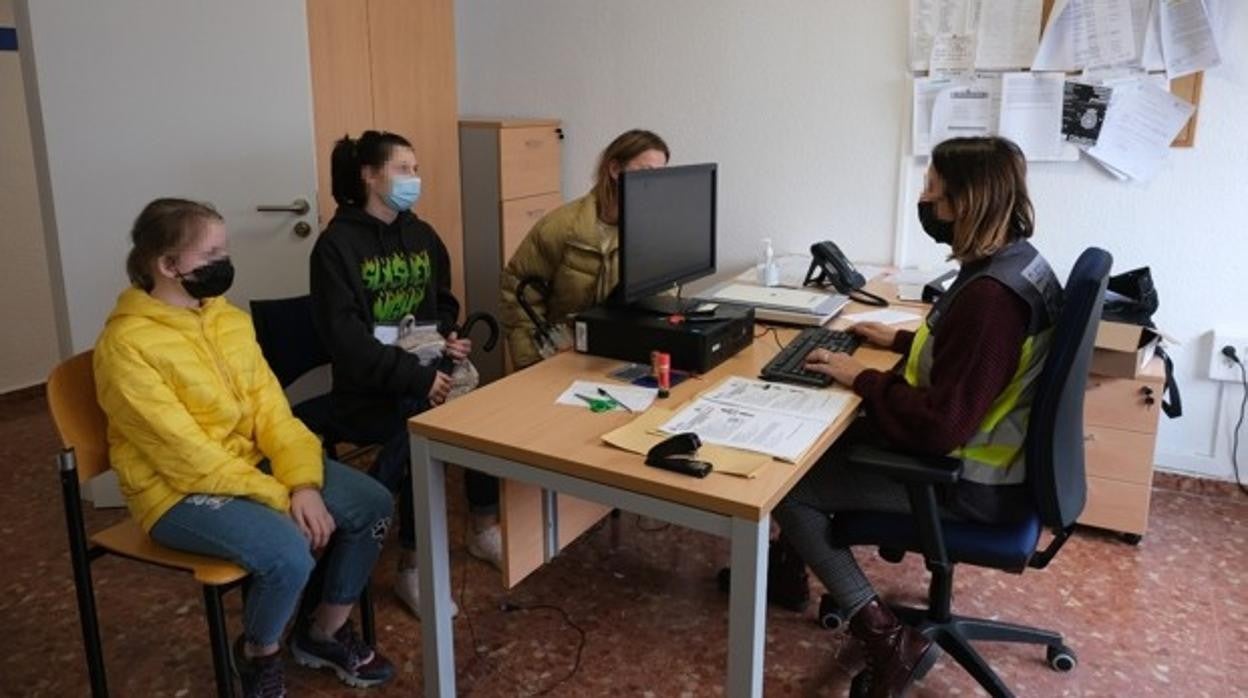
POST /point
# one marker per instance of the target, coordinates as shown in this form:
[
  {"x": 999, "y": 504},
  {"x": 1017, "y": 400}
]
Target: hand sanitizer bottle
[{"x": 768, "y": 270}]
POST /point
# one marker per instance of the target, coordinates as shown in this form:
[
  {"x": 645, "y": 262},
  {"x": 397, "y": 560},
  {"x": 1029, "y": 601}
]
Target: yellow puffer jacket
[
  {"x": 193, "y": 407},
  {"x": 576, "y": 255}
]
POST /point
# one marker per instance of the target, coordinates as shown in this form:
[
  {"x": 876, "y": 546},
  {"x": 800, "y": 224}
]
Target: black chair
[
  {"x": 292, "y": 348},
  {"x": 1055, "y": 473}
]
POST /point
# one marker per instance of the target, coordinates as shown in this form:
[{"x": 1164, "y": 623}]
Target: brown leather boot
[{"x": 895, "y": 652}]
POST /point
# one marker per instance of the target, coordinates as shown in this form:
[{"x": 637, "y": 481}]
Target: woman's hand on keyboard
[
  {"x": 843, "y": 368},
  {"x": 876, "y": 333}
]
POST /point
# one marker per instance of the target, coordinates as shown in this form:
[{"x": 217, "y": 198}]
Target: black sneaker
[
  {"x": 262, "y": 677},
  {"x": 355, "y": 663}
]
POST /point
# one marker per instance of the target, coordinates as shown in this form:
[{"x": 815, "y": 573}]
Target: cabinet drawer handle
[
  {"x": 535, "y": 212},
  {"x": 534, "y": 143},
  {"x": 1146, "y": 390},
  {"x": 1089, "y": 437}
]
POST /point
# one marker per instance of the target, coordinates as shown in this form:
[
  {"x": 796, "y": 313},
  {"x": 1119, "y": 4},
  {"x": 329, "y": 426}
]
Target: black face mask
[
  {"x": 210, "y": 280},
  {"x": 936, "y": 229}
]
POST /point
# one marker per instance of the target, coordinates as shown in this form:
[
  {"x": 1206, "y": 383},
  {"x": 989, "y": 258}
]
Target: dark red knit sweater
[{"x": 975, "y": 354}]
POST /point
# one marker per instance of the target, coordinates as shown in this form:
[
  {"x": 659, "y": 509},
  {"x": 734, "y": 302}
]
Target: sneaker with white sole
[
  {"x": 487, "y": 545},
  {"x": 407, "y": 588},
  {"x": 346, "y": 654}
]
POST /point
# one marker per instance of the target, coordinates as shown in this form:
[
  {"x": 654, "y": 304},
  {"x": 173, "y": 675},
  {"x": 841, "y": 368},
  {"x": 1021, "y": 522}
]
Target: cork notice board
[{"x": 1187, "y": 88}]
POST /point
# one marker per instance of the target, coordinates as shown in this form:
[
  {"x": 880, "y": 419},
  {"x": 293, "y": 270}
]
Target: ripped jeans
[{"x": 268, "y": 544}]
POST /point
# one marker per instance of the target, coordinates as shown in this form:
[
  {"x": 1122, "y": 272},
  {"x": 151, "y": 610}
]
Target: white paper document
[
  {"x": 1150, "y": 42},
  {"x": 1031, "y": 115},
  {"x": 795, "y": 401},
  {"x": 1007, "y": 34},
  {"x": 931, "y": 18},
  {"x": 807, "y": 301},
  {"x": 1187, "y": 40},
  {"x": 1082, "y": 33},
  {"x": 637, "y": 399},
  {"x": 778, "y": 420},
  {"x": 1057, "y": 44},
  {"x": 967, "y": 110},
  {"x": 1143, "y": 120},
  {"x": 952, "y": 54},
  {"x": 924, "y": 98},
  {"x": 1104, "y": 32},
  {"x": 887, "y": 316}
]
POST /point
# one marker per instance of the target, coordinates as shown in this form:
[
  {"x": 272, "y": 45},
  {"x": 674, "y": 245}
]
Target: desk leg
[
  {"x": 747, "y": 607},
  {"x": 429, "y": 493}
]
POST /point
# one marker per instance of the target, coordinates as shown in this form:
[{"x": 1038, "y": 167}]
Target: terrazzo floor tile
[{"x": 1166, "y": 618}]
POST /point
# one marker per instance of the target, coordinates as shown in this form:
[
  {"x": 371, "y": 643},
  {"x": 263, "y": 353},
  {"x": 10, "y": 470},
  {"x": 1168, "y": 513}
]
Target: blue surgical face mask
[{"x": 404, "y": 193}]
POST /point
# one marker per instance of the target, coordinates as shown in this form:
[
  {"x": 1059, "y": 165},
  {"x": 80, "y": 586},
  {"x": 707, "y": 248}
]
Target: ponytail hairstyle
[
  {"x": 164, "y": 227},
  {"x": 351, "y": 155},
  {"x": 620, "y": 152}
]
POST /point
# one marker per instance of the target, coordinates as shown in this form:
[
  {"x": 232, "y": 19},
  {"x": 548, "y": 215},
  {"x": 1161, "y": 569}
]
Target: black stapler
[{"x": 677, "y": 453}]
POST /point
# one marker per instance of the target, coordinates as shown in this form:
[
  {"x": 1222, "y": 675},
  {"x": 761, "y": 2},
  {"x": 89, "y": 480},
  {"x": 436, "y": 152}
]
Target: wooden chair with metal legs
[{"x": 83, "y": 430}]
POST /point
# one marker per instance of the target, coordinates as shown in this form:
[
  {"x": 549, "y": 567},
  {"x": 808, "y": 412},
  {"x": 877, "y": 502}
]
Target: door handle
[{"x": 298, "y": 207}]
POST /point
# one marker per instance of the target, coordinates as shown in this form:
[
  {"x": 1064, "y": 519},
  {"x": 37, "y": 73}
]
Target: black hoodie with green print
[{"x": 366, "y": 273}]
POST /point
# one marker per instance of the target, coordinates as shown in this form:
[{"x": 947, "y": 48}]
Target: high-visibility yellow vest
[{"x": 994, "y": 455}]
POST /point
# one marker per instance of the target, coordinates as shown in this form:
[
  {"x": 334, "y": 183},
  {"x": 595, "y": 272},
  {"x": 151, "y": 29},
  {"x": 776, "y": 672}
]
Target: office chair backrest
[
  {"x": 77, "y": 414},
  {"x": 288, "y": 337},
  {"x": 1054, "y": 447}
]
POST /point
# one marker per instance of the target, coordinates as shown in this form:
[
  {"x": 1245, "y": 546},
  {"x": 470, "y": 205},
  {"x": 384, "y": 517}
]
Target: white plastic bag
[{"x": 427, "y": 344}]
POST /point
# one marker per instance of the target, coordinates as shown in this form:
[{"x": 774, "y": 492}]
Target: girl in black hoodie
[{"x": 374, "y": 263}]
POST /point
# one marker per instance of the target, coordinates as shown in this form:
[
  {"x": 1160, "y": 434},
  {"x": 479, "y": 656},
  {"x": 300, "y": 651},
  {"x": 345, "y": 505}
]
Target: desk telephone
[{"x": 831, "y": 267}]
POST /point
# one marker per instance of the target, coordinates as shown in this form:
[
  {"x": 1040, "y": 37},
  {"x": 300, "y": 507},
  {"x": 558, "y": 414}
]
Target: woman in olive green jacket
[{"x": 573, "y": 249}]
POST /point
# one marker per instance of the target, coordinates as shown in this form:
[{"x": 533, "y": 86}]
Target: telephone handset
[{"x": 829, "y": 266}]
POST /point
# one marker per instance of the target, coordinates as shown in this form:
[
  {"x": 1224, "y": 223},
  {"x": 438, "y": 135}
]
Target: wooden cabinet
[
  {"x": 390, "y": 65},
  {"x": 509, "y": 179},
  {"x": 1120, "y": 434}
]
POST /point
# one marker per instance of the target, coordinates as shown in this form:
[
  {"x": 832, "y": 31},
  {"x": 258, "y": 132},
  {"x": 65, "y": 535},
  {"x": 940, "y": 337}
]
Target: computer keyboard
[{"x": 789, "y": 365}]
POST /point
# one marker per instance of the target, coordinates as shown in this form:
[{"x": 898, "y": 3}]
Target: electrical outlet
[{"x": 1220, "y": 367}]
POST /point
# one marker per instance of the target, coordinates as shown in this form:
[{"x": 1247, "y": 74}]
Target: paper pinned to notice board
[
  {"x": 951, "y": 35},
  {"x": 1007, "y": 34},
  {"x": 1031, "y": 115},
  {"x": 932, "y": 18},
  {"x": 1188, "y": 44},
  {"x": 1083, "y": 33},
  {"x": 968, "y": 108},
  {"x": 1142, "y": 121}
]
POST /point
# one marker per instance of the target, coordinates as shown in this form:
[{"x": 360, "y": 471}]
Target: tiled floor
[{"x": 1169, "y": 618}]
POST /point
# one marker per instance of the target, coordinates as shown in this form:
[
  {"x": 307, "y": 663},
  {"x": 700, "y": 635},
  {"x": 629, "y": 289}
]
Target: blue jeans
[{"x": 268, "y": 544}]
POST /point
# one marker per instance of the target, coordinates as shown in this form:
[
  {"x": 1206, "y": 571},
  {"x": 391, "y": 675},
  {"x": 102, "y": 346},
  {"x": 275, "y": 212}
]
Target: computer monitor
[{"x": 667, "y": 232}]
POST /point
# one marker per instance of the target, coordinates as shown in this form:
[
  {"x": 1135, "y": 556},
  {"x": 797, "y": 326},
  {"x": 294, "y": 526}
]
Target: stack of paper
[{"x": 778, "y": 420}]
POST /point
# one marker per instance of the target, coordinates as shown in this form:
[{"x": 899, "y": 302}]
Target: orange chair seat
[{"x": 127, "y": 539}]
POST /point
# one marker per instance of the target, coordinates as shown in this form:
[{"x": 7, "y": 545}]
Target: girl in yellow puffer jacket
[{"x": 212, "y": 461}]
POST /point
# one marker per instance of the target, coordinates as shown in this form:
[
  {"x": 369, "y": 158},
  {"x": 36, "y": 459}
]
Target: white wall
[
  {"x": 29, "y": 349},
  {"x": 803, "y": 103}
]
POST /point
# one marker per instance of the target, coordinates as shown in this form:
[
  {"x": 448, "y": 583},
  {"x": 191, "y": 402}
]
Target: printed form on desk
[{"x": 778, "y": 420}]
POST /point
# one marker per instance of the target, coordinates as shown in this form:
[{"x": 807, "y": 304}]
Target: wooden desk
[{"x": 512, "y": 429}]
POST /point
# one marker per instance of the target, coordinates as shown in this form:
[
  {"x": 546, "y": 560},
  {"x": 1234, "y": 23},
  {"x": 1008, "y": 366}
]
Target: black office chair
[
  {"x": 291, "y": 346},
  {"x": 1055, "y": 473}
]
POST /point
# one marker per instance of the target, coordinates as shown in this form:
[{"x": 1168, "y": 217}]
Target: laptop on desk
[{"x": 790, "y": 306}]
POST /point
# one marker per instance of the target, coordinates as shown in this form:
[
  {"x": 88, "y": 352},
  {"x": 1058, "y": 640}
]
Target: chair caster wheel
[
  {"x": 830, "y": 616},
  {"x": 1131, "y": 538},
  {"x": 1061, "y": 658}
]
